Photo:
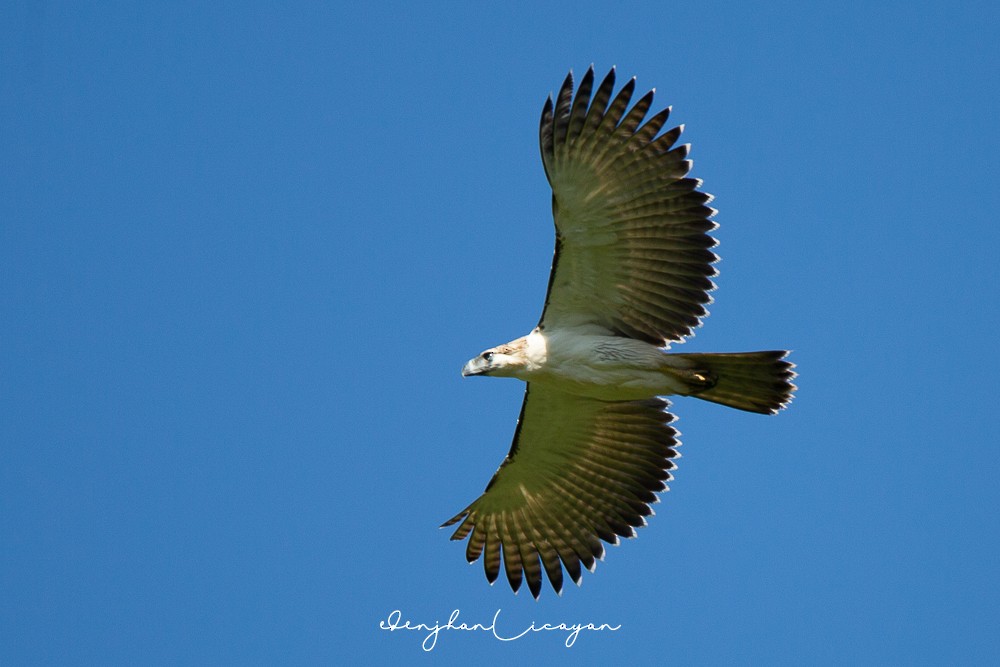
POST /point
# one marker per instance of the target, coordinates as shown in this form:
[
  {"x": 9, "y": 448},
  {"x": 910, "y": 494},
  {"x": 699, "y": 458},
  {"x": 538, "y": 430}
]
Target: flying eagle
[{"x": 631, "y": 275}]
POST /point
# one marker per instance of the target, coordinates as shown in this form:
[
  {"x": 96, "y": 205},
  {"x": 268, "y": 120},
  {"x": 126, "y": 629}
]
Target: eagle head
[{"x": 505, "y": 360}]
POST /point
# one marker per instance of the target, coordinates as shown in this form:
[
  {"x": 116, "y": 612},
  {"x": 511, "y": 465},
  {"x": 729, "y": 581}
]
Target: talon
[{"x": 705, "y": 380}]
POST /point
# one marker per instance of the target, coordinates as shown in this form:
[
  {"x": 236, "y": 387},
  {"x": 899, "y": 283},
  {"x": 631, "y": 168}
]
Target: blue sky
[{"x": 245, "y": 250}]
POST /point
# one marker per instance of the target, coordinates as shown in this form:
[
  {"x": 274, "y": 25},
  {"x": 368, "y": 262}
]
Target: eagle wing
[
  {"x": 580, "y": 471},
  {"x": 632, "y": 246}
]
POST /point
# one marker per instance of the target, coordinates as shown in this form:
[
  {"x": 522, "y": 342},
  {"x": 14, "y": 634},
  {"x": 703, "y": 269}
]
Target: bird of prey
[{"x": 631, "y": 275}]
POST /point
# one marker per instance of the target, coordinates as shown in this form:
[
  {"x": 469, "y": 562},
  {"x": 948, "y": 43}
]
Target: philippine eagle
[{"x": 631, "y": 275}]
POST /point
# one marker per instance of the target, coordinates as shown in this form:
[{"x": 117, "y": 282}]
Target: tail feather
[{"x": 753, "y": 381}]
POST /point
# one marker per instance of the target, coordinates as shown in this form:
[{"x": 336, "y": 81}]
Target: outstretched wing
[
  {"x": 632, "y": 246},
  {"x": 580, "y": 471}
]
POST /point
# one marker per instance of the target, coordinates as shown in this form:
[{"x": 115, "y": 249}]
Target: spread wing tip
[{"x": 455, "y": 519}]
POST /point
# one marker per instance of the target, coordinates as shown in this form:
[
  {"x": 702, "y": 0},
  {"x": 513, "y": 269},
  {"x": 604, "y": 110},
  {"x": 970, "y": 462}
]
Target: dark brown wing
[
  {"x": 632, "y": 246},
  {"x": 579, "y": 471}
]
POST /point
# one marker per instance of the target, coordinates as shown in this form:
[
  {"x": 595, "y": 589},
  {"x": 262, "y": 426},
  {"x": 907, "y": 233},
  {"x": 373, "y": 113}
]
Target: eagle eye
[{"x": 488, "y": 356}]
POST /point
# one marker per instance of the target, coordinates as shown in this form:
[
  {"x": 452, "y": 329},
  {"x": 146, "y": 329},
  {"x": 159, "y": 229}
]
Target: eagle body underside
[{"x": 601, "y": 366}]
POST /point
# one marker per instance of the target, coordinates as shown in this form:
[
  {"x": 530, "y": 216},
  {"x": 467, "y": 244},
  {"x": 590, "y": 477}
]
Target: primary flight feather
[{"x": 631, "y": 275}]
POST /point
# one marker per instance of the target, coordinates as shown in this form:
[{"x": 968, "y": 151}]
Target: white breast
[{"x": 592, "y": 364}]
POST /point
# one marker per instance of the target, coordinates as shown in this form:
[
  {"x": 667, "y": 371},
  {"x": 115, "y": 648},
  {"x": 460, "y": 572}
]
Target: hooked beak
[{"x": 476, "y": 366}]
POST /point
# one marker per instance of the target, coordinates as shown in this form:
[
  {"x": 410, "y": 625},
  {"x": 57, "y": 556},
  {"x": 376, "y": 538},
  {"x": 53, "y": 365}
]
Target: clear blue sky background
[{"x": 245, "y": 250}]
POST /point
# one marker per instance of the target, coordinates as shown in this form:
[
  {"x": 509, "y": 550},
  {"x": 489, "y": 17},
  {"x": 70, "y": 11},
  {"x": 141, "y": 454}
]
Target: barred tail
[{"x": 752, "y": 381}]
